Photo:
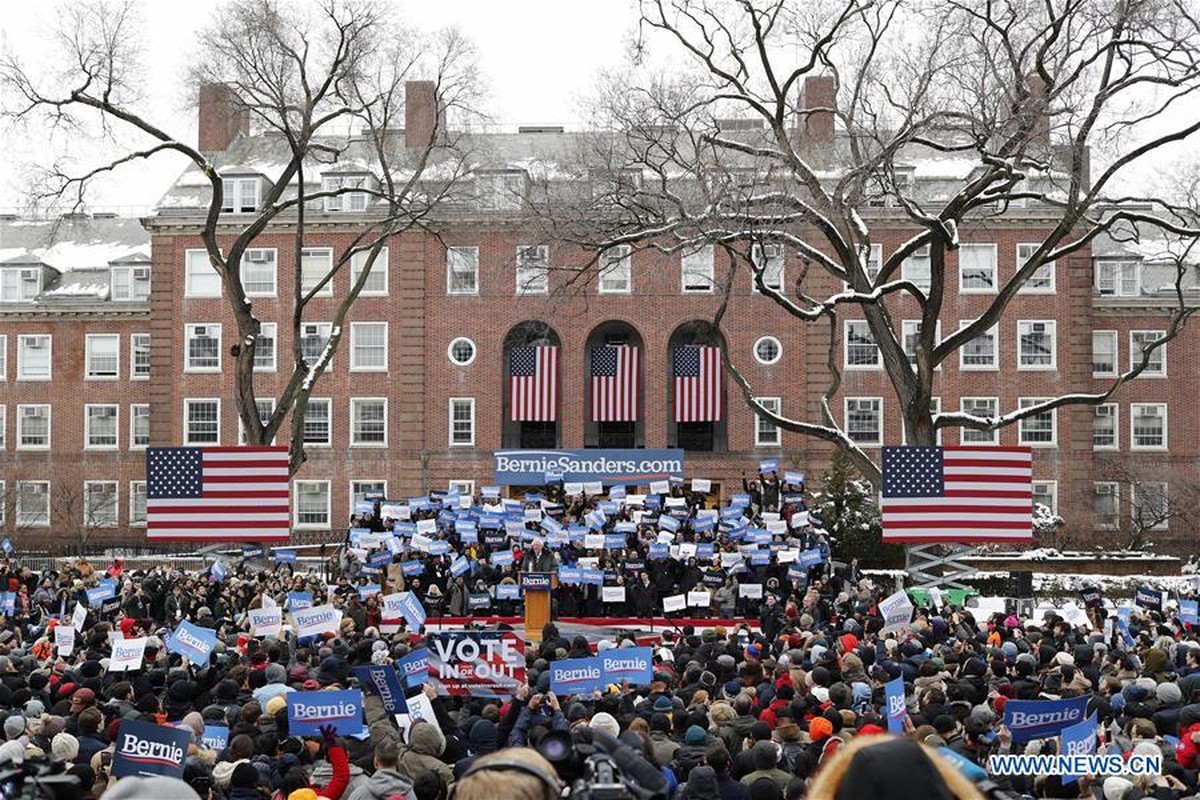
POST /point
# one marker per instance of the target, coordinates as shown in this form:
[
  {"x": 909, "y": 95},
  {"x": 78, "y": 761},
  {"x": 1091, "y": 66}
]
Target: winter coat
[
  {"x": 385, "y": 784},
  {"x": 664, "y": 746},
  {"x": 426, "y": 744}
]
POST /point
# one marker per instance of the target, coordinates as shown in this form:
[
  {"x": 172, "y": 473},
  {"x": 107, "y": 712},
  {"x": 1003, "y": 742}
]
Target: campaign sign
[
  {"x": 479, "y": 601},
  {"x": 536, "y": 581},
  {"x": 79, "y": 618},
  {"x": 633, "y": 664},
  {"x": 266, "y": 621},
  {"x": 576, "y": 676},
  {"x": 108, "y": 608},
  {"x": 608, "y": 466},
  {"x": 811, "y": 557},
  {"x": 215, "y": 737},
  {"x": 1148, "y": 597},
  {"x": 316, "y": 620},
  {"x": 476, "y": 663},
  {"x": 1079, "y": 740},
  {"x": 1189, "y": 612},
  {"x": 412, "y": 610},
  {"x": 98, "y": 595},
  {"x": 896, "y": 709},
  {"x": 127, "y": 654},
  {"x": 1091, "y": 596},
  {"x": 285, "y": 556},
  {"x": 896, "y": 610},
  {"x": 414, "y": 668},
  {"x": 768, "y": 465},
  {"x": 508, "y": 591},
  {"x": 144, "y": 748},
  {"x": 1042, "y": 719},
  {"x": 298, "y": 601},
  {"x": 192, "y": 641},
  {"x": 308, "y": 711},
  {"x": 793, "y": 478},
  {"x": 382, "y": 681}
]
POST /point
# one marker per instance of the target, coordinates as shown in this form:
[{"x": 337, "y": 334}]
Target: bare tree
[
  {"x": 325, "y": 84},
  {"x": 1050, "y": 106}
]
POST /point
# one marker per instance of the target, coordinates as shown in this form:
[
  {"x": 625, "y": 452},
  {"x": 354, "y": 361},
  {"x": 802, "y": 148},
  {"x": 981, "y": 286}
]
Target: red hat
[
  {"x": 999, "y": 704},
  {"x": 870, "y": 729},
  {"x": 66, "y": 689},
  {"x": 849, "y": 641},
  {"x": 311, "y": 685},
  {"x": 819, "y": 729}
]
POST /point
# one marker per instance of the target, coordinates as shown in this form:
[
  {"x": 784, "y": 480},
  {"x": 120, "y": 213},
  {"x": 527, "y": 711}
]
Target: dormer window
[
  {"x": 20, "y": 284},
  {"x": 241, "y": 195},
  {"x": 352, "y": 201},
  {"x": 500, "y": 191},
  {"x": 130, "y": 283}
]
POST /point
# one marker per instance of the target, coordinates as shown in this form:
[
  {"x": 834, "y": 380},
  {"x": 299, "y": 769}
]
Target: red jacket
[
  {"x": 1186, "y": 752},
  {"x": 341, "y": 774}
]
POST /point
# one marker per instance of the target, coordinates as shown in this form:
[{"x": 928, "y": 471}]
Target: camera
[
  {"x": 39, "y": 780},
  {"x": 597, "y": 766}
]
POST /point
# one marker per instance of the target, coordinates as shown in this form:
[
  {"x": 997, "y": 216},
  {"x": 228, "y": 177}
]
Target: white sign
[
  {"x": 896, "y": 610},
  {"x": 1075, "y": 615},
  {"x": 593, "y": 541},
  {"x": 593, "y": 487},
  {"x": 731, "y": 560},
  {"x": 787, "y": 555},
  {"x": 269, "y": 602},
  {"x": 675, "y": 602},
  {"x": 79, "y": 617},
  {"x": 266, "y": 621},
  {"x": 64, "y": 639},
  {"x": 127, "y": 654},
  {"x": 935, "y": 597},
  {"x": 572, "y": 489},
  {"x": 426, "y": 526},
  {"x": 777, "y": 526},
  {"x": 701, "y": 485},
  {"x": 613, "y": 594},
  {"x": 700, "y": 598},
  {"x": 752, "y": 590},
  {"x": 660, "y": 487},
  {"x": 419, "y": 707},
  {"x": 687, "y": 550},
  {"x": 318, "y": 619}
]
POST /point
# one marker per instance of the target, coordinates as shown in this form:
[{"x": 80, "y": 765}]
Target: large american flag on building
[
  {"x": 957, "y": 494},
  {"x": 697, "y": 383},
  {"x": 217, "y": 494},
  {"x": 615, "y": 383},
  {"x": 533, "y": 384}
]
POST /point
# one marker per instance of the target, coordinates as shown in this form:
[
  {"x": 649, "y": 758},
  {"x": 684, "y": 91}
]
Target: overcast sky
[{"x": 538, "y": 58}]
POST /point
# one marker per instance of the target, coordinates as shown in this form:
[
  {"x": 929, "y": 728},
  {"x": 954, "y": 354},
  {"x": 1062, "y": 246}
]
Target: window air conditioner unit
[
  {"x": 107, "y": 412},
  {"x": 257, "y": 256},
  {"x": 1038, "y": 327},
  {"x": 312, "y": 330},
  {"x": 141, "y": 273},
  {"x": 31, "y": 412},
  {"x": 29, "y": 274},
  {"x": 1152, "y": 411},
  {"x": 200, "y": 330},
  {"x": 36, "y": 344},
  {"x": 38, "y": 488},
  {"x": 312, "y": 490},
  {"x": 1106, "y": 488}
]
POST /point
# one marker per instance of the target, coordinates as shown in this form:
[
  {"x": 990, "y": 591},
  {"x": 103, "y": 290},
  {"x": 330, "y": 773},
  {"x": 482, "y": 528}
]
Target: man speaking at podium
[{"x": 539, "y": 559}]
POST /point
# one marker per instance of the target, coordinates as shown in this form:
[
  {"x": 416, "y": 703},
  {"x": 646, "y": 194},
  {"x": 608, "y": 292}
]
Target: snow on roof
[{"x": 78, "y": 243}]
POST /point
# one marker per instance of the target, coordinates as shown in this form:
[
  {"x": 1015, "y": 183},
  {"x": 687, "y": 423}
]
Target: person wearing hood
[
  {"x": 884, "y": 768},
  {"x": 426, "y": 744},
  {"x": 386, "y": 783},
  {"x": 482, "y": 738},
  {"x": 1189, "y": 736}
]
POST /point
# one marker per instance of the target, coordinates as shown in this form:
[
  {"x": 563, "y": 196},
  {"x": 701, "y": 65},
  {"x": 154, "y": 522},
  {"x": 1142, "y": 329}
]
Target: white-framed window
[
  {"x": 202, "y": 420},
  {"x": 1042, "y": 281},
  {"x": 137, "y": 504},
  {"x": 203, "y": 347},
  {"x": 697, "y": 272},
  {"x": 768, "y": 350},
  {"x": 1104, "y": 352},
  {"x": 376, "y": 284},
  {"x": 202, "y": 279},
  {"x": 1106, "y": 503},
  {"x": 1139, "y": 343},
  {"x": 616, "y": 270},
  {"x": 348, "y": 201},
  {"x": 33, "y": 427},
  {"x": 462, "y": 270},
  {"x": 1045, "y": 493},
  {"x": 462, "y": 421},
  {"x": 461, "y": 351},
  {"x": 264, "y": 347},
  {"x": 1147, "y": 426},
  {"x": 768, "y": 260},
  {"x": 368, "y": 422},
  {"x": 864, "y": 420},
  {"x": 862, "y": 352},
  {"x": 139, "y": 426},
  {"x": 315, "y": 264},
  {"x": 20, "y": 284},
  {"x": 935, "y": 408},
  {"x": 129, "y": 283},
  {"x": 368, "y": 346},
  {"x": 3, "y": 357},
  {"x": 3, "y": 435},
  {"x": 139, "y": 356},
  {"x": 533, "y": 269},
  {"x": 360, "y": 489},
  {"x": 100, "y": 504},
  {"x": 102, "y": 353},
  {"x": 313, "y": 338},
  {"x": 977, "y": 269},
  {"x": 911, "y": 330},
  {"x": 766, "y": 433},
  {"x": 982, "y": 352},
  {"x": 916, "y": 268},
  {"x": 1036, "y": 344},
  {"x": 34, "y": 357},
  {"x": 318, "y": 421},
  {"x": 33, "y": 504},
  {"x": 1150, "y": 505},
  {"x": 265, "y": 408},
  {"x": 1118, "y": 278},
  {"x": 240, "y": 195},
  {"x": 312, "y": 504},
  {"x": 874, "y": 263},
  {"x": 987, "y": 407},
  {"x": 1105, "y": 431},
  {"x": 1039, "y": 430},
  {"x": 259, "y": 276},
  {"x": 101, "y": 426}
]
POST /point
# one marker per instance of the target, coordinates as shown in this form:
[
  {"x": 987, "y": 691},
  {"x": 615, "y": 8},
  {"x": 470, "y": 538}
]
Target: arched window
[
  {"x": 531, "y": 386},
  {"x": 696, "y": 406},
  {"x": 614, "y": 395}
]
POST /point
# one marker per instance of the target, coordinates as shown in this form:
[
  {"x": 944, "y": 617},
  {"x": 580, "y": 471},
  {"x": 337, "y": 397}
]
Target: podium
[{"x": 536, "y": 587}]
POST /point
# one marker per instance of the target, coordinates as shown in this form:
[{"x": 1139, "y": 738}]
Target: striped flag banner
[
  {"x": 957, "y": 494},
  {"x": 615, "y": 383},
  {"x": 217, "y": 494},
  {"x": 697, "y": 383},
  {"x": 533, "y": 384}
]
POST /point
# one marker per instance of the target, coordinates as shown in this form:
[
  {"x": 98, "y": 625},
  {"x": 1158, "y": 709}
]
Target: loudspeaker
[{"x": 1022, "y": 584}]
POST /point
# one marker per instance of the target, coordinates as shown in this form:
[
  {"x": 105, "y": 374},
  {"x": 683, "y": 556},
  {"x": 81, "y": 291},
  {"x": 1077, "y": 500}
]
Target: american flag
[
  {"x": 217, "y": 494},
  {"x": 957, "y": 494},
  {"x": 533, "y": 384},
  {"x": 697, "y": 384},
  {"x": 615, "y": 383}
]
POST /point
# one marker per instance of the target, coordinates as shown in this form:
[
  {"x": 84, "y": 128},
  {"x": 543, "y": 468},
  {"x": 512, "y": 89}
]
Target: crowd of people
[{"x": 787, "y": 700}]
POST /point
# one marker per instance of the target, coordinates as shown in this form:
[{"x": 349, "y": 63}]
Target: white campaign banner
[
  {"x": 700, "y": 598},
  {"x": 266, "y": 621},
  {"x": 79, "y": 618},
  {"x": 753, "y": 591},
  {"x": 675, "y": 602},
  {"x": 318, "y": 619},
  {"x": 64, "y": 639},
  {"x": 897, "y": 611},
  {"x": 127, "y": 654},
  {"x": 613, "y": 594}
]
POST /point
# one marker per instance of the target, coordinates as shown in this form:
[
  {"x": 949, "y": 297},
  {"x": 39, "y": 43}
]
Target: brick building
[{"x": 417, "y": 396}]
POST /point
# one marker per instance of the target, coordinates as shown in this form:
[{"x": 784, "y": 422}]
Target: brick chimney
[
  {"x": 819, "y": 91},
  {"x": 1038, "y": 108},
  {"x": 223, "y": 118},
  {"x": 423, "y": 114}
]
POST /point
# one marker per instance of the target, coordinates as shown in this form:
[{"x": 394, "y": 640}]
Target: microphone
[{"x": 631, "y": 762}]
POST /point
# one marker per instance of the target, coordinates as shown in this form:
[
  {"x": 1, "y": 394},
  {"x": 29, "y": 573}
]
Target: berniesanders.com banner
[{"x": 607, "y": 466}]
